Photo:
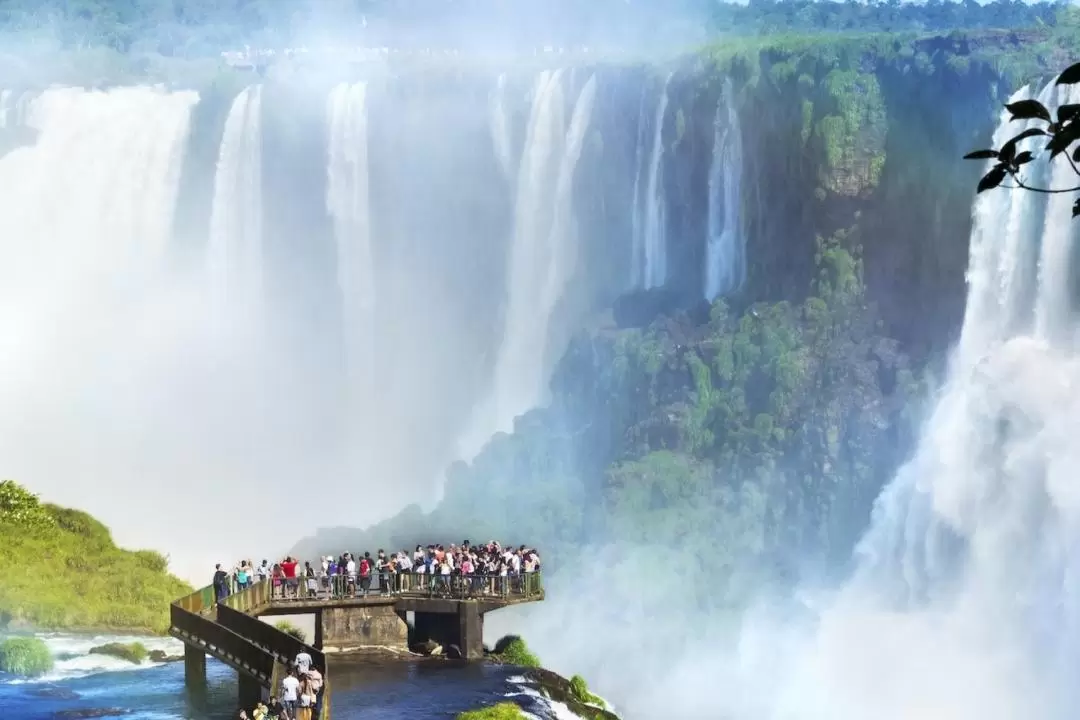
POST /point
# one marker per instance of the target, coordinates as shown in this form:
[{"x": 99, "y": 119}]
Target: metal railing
[
  {"x": 250, "y": 596},
  {"x": 197, "y": 602},
  {"x": 344, "y": 587}
]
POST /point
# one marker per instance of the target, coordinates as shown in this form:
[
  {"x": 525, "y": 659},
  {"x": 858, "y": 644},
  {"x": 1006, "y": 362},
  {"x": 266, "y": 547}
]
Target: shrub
[
  {"x": 502, "y": 711},
  {"x": 289, "y": 629},
  {"x": 581, "y": 692},
  {"x": 132, "y": 652},
  {"x": 513, "y": 650},
  {"x": 26, "y": 656}
]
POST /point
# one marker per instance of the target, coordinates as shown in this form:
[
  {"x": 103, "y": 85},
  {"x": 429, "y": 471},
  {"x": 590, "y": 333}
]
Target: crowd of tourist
[
  {"x": 300, "y": 696},
  {"x": 465, "y": 569}
]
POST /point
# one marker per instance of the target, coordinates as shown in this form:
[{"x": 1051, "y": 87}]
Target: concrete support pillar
[
  {"x": 470, "y": 631},
  {"x": 250, "y": 692},
  {"x": 194, "y": 668},
  {"x": 319, "y": 632},
  {"x": 348, "y": 629}
]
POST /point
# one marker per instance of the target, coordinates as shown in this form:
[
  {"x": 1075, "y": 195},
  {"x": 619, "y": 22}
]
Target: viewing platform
[{"x": 447, "y": 610}]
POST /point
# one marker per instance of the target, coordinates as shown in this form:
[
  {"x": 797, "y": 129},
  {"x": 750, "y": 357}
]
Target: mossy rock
[
  {"x": 25, "y": 656},
  {"x": 132, "y": 652},
  {"x": 502, "y": 711},
  {"x": 573, "y": 693}
]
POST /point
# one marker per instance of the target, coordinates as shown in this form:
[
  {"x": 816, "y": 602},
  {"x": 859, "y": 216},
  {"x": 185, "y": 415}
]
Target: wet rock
[
  {"x": 428, "y": 647},
  {"x": 90, "y": 713},
  {"x": 56, "y": 693},
  {"x": 160, "y": 656},
  {"x": 557, "y": 688},
  {"x": 453, "y": 652}
]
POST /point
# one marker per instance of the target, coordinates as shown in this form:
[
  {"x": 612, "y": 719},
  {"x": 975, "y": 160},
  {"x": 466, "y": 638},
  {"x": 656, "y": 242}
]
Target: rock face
[
  {"x": 160, "y": 656},
  {"x": 557, "y": 688}
]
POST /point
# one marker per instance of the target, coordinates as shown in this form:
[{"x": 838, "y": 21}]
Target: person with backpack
[{"x": 365, "y": 574}]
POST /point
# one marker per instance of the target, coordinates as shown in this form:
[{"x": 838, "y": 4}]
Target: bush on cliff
[
  {"x": 289, "y": 629},
  {"x": 132, "y": 652},
  {"x": 61, "y": 569},
  {"x": 26, "y": 656},
  {"x": 581, "y": 691},
  {"x": 512, "y": 650}
]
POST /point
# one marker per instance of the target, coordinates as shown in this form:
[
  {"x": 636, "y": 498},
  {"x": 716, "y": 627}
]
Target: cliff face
[{"x": 770, "y": 419}]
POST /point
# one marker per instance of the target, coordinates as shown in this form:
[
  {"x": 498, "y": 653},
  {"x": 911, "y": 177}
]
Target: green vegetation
[
  {"x": 502, "y": 711},
  {"x": 581, "y": 692},
  {"x": 132, "y": 652},
  {"x": 26, "y": 656},
  {"x": 288, "y": 628},
  {"x": 62, "y": 570},
  {"x": 512, "y": 650}
]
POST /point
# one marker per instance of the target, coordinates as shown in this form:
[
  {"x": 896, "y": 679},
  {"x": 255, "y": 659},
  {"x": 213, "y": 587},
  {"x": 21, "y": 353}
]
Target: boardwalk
[{"x": 447, "y": 610}]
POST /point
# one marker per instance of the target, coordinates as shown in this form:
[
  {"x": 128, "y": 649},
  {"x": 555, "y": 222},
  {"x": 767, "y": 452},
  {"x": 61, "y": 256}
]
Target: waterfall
[
  {"x": 5, "y": 107},
  {"x": 348, "y": 204},
  {"x": 234, "y": 254},
  {"x": 970, "y": 572},
  {"x": 637, "y": 212},
  {"x": 542, "y": 258},
  {"x": 725, "y": 265},
  {"x": 500, "y": 128},
  {"x": 651, "y": 228}
]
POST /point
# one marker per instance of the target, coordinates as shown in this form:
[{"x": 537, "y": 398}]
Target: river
[{"x": 414, "y": 688}]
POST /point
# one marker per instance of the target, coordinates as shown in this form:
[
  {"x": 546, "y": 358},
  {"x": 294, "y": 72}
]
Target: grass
[
  {"x": 289, "y": 629},
  {"x": 26, "y": 656},
  {"x": 512, "y": 650},
  {"x": 132, "y": 652},
  {"x": 502, "y": 711},
  {"x": 61, "y": 570}
]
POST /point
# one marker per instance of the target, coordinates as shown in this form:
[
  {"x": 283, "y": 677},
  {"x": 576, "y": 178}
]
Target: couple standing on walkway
[{"x": 302, "y": 690}]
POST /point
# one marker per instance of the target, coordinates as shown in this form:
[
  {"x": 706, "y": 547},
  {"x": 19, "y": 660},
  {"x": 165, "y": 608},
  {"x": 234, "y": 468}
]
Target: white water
[
  {"x": 347, "y": 201},
  {"x": 725, "y": 264},
  {"x": 500, "y": 129},
  {"x": 72, "y": 657},
  {"x": 542, "y": 258},
  {"x": 652, "y": 207},
  {"x": 234, "y": 255},
  {"x": 637, "y": 213},
  {"x": 966, "y": 604}
]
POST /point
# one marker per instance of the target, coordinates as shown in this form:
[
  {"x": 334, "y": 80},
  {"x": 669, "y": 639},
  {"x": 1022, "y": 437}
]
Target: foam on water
[{"x": 72, "y": 657}]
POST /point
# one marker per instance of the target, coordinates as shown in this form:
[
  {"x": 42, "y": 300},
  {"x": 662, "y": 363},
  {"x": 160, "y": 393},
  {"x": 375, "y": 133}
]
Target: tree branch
[{"x": 1048, "y": 191}]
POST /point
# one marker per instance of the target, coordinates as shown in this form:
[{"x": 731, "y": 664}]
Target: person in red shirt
[{"x": 288, "y": 568}]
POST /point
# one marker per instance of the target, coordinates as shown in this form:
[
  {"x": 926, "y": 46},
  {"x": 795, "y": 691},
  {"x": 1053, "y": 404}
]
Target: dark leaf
[
  {"x": 981, "y": 155},
  {"x": 1023, "y": 158},
  {"x": 1070, "y": 76},
  {"x": 1067, "y": 112},
  {"x": 1076, "y": 208},
  {"x": 1008, "y": 150},
  {"x": 1063, "y": 139},
  {"x": 992, "y": 179},
  {"x": 1028, "y": 110},
  {"x": 1076, "y": 155}
]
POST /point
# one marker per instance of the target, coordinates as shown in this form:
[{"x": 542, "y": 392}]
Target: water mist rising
[
  {"x": 542, "y": 256},
  {"x": 725, "y": 263},
  {"x": 964, "y": 603},
  {"x": 348, "y": 204}
]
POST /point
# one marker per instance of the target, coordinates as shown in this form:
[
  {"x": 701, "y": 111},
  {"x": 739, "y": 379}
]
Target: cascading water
[
  {"x": 966, "y": 604},
  {"x": 347, "y": 201},
  {"x": 651, "y": 207},
  {"x": 725, "y": 265},
  {"x": 500, "y": 129},
  {"x": 234, "y": 254},
  {"x": 542, "y": 256}
]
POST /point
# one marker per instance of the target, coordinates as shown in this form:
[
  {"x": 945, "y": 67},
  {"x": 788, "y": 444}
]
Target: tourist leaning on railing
[{"x": 460, "y": 571}]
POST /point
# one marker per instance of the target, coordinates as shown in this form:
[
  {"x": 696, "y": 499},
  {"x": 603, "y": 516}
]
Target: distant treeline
[{"x": 207, "y": 27}]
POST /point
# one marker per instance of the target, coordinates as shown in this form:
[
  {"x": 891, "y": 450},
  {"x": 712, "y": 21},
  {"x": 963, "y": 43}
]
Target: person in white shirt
[{"x": 290, "y": 692}]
